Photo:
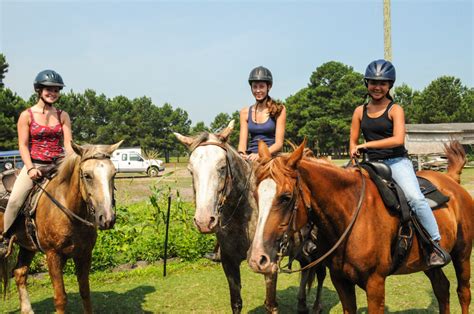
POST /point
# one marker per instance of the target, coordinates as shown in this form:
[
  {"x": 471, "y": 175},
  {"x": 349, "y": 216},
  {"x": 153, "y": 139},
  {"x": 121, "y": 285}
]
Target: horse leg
[
  {"x": 232, "y": 272},
  {"x": 55, "y": 266},
  {"x": 83, "y": 266},
  {"x": 321, "y": 274},
  {"x": 463, "y": 275},
  {"x": 440, "y": 285},
  {"x": 271, "y": 305},
  {"x": 346, "y": 291},
  {"x": 21, "y": 274},
  {"x": 375, "y": 290},
  {"x": 305, "y": 278}
]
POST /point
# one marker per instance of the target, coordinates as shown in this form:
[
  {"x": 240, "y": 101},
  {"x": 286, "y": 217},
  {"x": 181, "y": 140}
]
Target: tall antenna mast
[{"x": 387, "y": 34}]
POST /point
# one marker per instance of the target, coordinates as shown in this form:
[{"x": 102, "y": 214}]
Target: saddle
[
  {"x": 29, "y": 206},
  {"x": 394, "y": 199}
]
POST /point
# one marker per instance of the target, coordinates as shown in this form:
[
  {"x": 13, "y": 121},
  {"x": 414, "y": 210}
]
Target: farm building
[{"x": 427, "y": 139}]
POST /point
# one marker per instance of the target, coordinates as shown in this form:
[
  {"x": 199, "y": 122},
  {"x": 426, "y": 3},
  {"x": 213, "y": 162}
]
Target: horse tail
[
  {"x": 4, "y": 275},
  {"x": 456, "y": 159}
]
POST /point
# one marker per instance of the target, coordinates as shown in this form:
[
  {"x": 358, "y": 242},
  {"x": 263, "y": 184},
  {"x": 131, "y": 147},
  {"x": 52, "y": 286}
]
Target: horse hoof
[
  {"x": 317, "y": 309},
  {"x": 302, "y": 310},
  {"x": 271, "y": 309}
]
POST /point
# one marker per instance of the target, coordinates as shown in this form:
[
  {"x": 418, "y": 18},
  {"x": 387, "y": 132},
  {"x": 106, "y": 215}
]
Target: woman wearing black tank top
[{"x": 382, "y": 123}]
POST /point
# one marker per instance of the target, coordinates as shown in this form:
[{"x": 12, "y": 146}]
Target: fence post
[{"x": 166, "y": 234}]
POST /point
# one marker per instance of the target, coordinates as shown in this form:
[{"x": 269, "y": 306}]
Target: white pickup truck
[{"x": 131, "y": 160}]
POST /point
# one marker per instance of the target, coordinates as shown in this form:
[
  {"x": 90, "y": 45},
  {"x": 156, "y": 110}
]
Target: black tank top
[{"x": 377, "y": 129}]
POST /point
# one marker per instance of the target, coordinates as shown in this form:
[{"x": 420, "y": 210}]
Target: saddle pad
[
  {"x": 33, "y": 198},
  {"x": 434, "y": 197}
]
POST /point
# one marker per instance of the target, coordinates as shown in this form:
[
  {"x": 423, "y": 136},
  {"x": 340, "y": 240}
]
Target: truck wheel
[{"x": 153, "y": 171}]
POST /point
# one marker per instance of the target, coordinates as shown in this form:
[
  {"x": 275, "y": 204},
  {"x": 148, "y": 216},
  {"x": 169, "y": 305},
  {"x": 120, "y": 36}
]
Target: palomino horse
[
  {"x": 292, "y": 189},
  {"x": 84, "y": 187},
  {"x": 223, "y": 185}
]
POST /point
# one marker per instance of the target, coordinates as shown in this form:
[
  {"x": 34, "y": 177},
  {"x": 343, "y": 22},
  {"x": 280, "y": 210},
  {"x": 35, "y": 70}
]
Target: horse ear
[
  {"x": 184, "y": 139},
  {"x": 263, "y": 151},
  {"x": 77, "y": 148},
  {"x": 113, "y": 147},
  {"x": 224, "y": 135},
  {"x": 296, "y": 155}
]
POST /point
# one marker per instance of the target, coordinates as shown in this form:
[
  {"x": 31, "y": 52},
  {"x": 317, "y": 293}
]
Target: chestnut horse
[
  {"x": 84, "y": 187},
  {"x": 291, "y": 189},
  {"x": 223, "y": 185}
]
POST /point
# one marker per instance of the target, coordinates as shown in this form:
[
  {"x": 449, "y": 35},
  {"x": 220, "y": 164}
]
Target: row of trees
[{"x": 321, "y": 112}]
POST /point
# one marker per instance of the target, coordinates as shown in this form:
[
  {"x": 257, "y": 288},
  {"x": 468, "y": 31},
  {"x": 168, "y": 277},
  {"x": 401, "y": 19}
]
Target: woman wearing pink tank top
[{"x": 42, "y": 130}]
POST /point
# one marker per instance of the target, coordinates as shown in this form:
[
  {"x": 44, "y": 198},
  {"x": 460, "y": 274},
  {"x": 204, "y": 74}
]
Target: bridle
[
  {"x": 285, "y": 241},
  {"x": 227, "y": 188},
  {"x": 90, "y": 208}
]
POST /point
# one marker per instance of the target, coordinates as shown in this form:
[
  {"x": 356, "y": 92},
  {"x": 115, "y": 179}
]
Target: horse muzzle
[
  {"x": 105, "y": 221},
  {"x": 261, "y": 262},
  {"x": 206, "y": 224}
]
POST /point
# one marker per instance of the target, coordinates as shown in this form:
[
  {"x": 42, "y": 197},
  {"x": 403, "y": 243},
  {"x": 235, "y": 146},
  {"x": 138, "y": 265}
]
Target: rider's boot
[{"x": 438, "y": 256}]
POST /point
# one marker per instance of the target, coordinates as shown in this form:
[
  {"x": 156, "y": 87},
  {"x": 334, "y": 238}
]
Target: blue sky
[{"x": 197, "y": 55}]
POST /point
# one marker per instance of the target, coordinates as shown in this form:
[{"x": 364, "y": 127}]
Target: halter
[
  {"x": 90, "y": 208},
  {"x": 292, "y": 223},
  {"x": 226, "y": 190}
]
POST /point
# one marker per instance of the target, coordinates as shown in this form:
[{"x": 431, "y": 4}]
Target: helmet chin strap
[{"x": 46, "y": 103}]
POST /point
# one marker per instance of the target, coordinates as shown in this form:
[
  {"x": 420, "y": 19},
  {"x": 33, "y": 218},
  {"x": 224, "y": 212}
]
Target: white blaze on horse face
[
  {"x": 103, "y": 171},
  {"x": 205, "y": 163},
  {"x": 266, "y": 194}
]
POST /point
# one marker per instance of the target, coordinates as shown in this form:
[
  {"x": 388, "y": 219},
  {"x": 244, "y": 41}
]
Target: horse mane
[
  {"x": 66, "y": 167},
  {"x": 206, "y": 136},
  {"x": 277, "y": 168},
  {"x": 69, "y": 163},
  {"x": 198, "y": 139}
]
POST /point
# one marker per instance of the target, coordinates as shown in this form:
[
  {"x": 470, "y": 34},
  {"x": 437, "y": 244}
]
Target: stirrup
[{"x": 438, "y": 257}]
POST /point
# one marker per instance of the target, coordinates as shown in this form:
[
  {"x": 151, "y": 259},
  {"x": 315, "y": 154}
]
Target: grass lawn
[{"x": 201, "y": 287}]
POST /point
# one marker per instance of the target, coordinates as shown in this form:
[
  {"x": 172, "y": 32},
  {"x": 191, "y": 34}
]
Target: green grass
[{"x": 201, "y": 287}]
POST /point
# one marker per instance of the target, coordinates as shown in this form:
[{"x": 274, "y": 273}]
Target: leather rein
[
  {"x": 226, "y": 190},
  {"x": 292, "y": 222},
  {"x": 90, "y": 209}
]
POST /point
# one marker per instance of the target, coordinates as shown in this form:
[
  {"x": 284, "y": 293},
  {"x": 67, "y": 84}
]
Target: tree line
[{"x": 321, "y": 112}]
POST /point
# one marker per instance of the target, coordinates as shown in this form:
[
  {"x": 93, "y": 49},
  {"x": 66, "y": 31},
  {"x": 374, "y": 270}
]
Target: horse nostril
[
  {"x": 212, "y": 222},
  {"x": 263, "y": 261}
]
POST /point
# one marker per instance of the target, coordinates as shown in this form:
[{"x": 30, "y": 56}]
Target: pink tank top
[{"x": 45, "y": 141}]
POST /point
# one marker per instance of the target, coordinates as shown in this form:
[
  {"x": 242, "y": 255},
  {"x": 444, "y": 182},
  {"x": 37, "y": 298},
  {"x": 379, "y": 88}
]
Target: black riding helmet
[
  {"x": 260, "y": 74},
  {"x": 380, "y": 70},
  {"x": 48, "y": 78}
]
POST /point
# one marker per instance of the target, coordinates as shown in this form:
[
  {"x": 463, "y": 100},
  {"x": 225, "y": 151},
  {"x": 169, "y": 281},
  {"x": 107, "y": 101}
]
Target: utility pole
[{"x": 387, "y": 30}]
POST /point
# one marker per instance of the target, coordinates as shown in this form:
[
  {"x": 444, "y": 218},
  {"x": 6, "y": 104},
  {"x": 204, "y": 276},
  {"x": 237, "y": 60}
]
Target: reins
[
  {"x": 308, "y": 207},
  {"x": 70, "y": 214}
]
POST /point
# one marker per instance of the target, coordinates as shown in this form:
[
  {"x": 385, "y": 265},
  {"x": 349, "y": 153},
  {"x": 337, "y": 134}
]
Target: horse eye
[
  {"x": 285, "y": 198},
  {"x": 88, "y": 176}
]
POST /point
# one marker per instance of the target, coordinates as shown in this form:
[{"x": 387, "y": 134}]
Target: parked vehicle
[
  {"x": 132, "y": 160},
  {"x": 10, "y": 159}
]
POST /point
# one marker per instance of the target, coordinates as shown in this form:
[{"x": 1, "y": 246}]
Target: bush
[{"x": 139, "y": 234}]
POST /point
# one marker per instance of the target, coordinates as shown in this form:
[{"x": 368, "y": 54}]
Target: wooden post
[{"x": 387, "y": 30}]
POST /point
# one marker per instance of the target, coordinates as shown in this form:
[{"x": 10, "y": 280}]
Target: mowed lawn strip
[{"x": 201, "y": 287}]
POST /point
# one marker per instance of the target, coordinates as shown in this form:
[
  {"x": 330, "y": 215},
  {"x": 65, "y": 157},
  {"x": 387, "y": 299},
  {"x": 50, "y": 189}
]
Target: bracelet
[
  {"x": 241, "y": 152},
  {"x": 28, "y": 171}
]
